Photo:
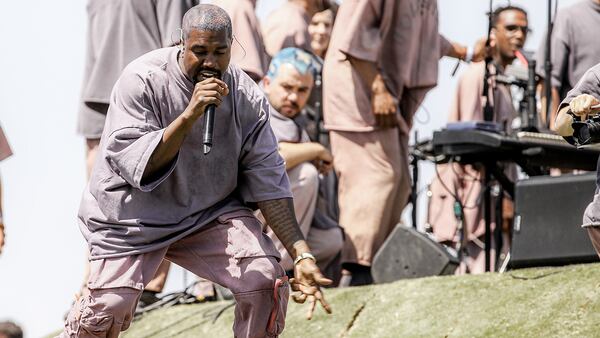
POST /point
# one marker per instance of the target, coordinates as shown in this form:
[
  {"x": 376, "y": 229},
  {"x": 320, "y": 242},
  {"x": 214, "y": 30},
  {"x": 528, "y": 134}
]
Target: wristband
[
  {"x": 304, "y": 256},
  {"x": 469, "y": 54}
]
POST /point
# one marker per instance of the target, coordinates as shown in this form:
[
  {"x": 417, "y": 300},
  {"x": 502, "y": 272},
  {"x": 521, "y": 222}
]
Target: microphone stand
[
  {"x": 414, "y": 194},
  {"x": 548, "y": 67},
  {"x": 488, "y": 116},
  {"x": 319, "y": 107},
  {"x": 531, "y": 124},
  {"x": 488, "y": 110}
]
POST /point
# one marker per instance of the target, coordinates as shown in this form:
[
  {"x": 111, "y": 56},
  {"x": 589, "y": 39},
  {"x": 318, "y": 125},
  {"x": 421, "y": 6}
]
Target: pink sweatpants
[{"x": 231, "y": 251}]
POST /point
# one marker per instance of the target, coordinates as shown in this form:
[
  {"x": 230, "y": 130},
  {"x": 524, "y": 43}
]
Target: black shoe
[
  {"x": 147, "y": 298},
  {"x": 361, "y": 274}
]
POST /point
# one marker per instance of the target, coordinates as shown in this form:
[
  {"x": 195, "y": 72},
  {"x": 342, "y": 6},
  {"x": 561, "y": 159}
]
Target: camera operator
[{"x": 581, "y": 102}]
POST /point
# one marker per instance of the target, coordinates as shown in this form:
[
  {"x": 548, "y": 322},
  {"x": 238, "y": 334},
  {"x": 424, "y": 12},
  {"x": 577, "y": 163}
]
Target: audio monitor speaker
[
  {"x": 548, "y": 216},
  {"x": 408, "y": 253}
]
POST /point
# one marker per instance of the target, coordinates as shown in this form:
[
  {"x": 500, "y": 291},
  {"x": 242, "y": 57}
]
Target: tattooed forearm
[{"x": 280, "y": 216}]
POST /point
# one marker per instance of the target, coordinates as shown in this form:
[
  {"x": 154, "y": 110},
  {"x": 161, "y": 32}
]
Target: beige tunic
[
  {"x": 401, "y": 37},
  {"x": 248, "y": 49},
  {"x": 285, "y": 27}
]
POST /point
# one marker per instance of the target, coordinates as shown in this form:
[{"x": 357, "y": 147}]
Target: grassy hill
[{"x": 547, "y": 302}]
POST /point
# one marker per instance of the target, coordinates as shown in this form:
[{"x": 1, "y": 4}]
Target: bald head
[{"x": 207, "y": 18}]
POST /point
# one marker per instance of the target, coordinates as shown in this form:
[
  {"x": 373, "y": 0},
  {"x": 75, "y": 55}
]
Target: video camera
[{"x": 588, "y": 131}]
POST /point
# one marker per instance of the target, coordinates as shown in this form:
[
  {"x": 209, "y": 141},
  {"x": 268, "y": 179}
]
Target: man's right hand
[
  {"x": 384, "y": 104},
  {"x": 582, "y": 105},
  {"x": 206, "y": 92},
  {"x": 385, "y": 107},
  {"x": 324, "y": 160}
]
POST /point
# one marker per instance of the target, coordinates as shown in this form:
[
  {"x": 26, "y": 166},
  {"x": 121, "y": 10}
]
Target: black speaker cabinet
[
  {"x": 548, "y": 216},
  {"x": 407, "y": 253}
]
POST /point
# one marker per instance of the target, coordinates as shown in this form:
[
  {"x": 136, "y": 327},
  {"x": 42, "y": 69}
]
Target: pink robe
[
  {"x": 285, "y": 27},
  {"x": 248, "y": 49},
  {"x": 402, "y": 39},
  {"x": 465, "y": 180}
]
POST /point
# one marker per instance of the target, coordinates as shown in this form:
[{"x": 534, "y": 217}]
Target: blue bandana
[{"x": 303, "y": 62}]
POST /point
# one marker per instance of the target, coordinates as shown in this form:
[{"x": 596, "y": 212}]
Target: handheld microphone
[{"x": 209, "y": 123}]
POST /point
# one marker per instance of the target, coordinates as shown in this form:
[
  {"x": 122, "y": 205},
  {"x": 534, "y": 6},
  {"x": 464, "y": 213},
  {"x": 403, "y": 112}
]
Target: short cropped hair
[
  {"x": 301, "y": 60},
  {"x": 496, "y": 13},
  {"x": 207, "y": 18}
]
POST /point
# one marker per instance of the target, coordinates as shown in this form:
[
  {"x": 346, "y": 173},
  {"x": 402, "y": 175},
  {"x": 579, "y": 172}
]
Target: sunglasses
[{"x": 514, "y": 28}]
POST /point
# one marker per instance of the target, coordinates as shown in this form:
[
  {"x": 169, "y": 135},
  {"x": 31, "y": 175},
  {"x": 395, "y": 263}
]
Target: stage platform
[{"x": 540, "y": 302}]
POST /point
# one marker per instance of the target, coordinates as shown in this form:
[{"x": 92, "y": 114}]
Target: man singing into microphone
[
  {"x": 153, "y": 194},
  {"x": 508, "y": 35}
]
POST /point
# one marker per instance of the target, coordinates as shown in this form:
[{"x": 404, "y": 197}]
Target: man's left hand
[
  {"x": 308, "y": 280},
  {"x": 324, "y": 161},
  {"x": 481, "y": 51}
]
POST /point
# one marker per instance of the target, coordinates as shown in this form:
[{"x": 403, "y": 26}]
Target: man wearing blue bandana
[{"x": 288, "y": 84}]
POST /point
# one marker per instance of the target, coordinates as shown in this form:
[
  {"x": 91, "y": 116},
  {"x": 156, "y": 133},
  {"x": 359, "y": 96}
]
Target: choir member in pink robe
[
  {"x": 464, "y": 181},
  {"x": 382, "y": 60}
]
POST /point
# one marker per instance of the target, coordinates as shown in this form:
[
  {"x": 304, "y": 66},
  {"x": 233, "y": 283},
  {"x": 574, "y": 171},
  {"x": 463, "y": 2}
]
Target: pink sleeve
[
  {"x": 362, "y": 20},
  {"x": 169, "y": 15},
  {"x": 248, "y": 51},
  {"x": 445, "y": 46},
  {"x": 467, "y": 104},
  {"x": 5, "y": 150}
]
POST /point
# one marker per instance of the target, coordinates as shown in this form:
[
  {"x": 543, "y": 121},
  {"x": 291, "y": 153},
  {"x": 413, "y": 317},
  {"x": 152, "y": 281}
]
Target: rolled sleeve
[
  {"x": 445, "y": 46},
  {"x": 128, "y": 153},
  {"x": 134, "y": 134},
  {"x": 588, "y": 84},
  {"x": 263, "y": 175},
  {"x": 362, "y": 38},
  {"x": 560, "y": 43}
]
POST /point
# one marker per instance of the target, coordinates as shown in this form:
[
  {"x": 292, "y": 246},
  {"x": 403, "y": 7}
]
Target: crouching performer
[
  {"x": 153, "y": 194},
  {"x": 583, "y": 100}
]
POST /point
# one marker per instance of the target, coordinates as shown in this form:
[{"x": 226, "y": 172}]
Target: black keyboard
[{"x": 531, "y": 151}]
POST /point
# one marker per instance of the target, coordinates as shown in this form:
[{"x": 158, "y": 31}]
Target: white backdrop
[{"x": 42, "y": 55}]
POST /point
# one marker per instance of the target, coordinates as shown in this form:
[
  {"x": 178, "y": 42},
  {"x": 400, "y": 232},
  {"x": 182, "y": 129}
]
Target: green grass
[{"x": 548, "y": 302}]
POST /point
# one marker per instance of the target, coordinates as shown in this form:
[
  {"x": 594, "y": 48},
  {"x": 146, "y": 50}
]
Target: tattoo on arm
[{"x": 280, "y": 216}]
